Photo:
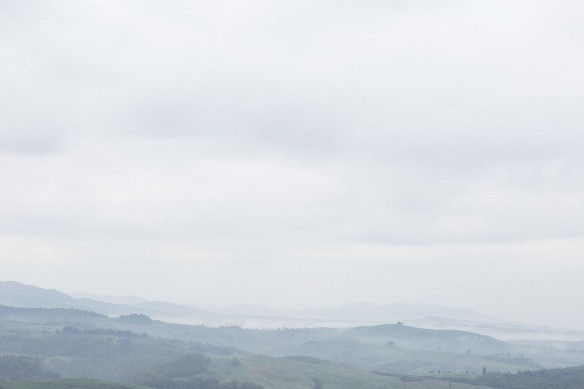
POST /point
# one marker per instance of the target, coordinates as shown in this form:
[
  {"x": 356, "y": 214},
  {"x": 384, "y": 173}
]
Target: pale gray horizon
[{"x": 297, "y": 154}]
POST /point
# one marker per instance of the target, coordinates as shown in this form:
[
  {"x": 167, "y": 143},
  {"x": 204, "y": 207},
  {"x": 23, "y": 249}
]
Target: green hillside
[
  {"x": 67, "y": 384},
  {"x": 302, "y": 373},
  {"x": 50, "y": 343},
  {"x": 567, "y": 378}
]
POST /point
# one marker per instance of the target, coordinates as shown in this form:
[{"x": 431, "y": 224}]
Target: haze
[{"x": 297, "y": 154}]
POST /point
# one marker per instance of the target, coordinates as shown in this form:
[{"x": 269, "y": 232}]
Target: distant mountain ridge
[
  {"x": 14, "y": 293},
  {"x": 401, "y": 311},
  {"x": 17, "y": 294}
]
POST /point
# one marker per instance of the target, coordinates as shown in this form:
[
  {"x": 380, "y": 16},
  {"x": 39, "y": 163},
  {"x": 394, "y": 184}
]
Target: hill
[
  {"x": 67, "y": 384},
  {"x": 351, "y": 315},
  {"x": 16, "y": 294},
  {"x": 52, "y": 333},
  {"x": 71, "y": 342}
]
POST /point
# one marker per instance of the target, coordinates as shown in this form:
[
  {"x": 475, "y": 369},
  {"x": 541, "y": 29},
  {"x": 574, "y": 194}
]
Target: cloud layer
[{"x": 208, "y": 134}]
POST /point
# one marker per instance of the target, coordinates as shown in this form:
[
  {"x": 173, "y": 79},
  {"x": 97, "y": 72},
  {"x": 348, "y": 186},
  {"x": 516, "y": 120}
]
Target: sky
[{"x": 297, "y": 154}]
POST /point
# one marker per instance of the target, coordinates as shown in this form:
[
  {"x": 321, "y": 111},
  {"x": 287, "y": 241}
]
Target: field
[
  {"x": 301, "y": 372},
  {"x": 67, "y": 384},
  {"x": 281, "y": 382}
]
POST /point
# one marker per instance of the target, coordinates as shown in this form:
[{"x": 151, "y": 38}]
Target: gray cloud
[{"x": 256, "y": 130}]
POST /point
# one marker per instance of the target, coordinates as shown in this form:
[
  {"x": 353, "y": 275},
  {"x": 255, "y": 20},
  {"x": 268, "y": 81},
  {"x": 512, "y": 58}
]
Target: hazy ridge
[{"x": 74, "y": 337}]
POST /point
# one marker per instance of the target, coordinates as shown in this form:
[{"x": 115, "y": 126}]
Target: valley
[{"x": 58, "y": 342}]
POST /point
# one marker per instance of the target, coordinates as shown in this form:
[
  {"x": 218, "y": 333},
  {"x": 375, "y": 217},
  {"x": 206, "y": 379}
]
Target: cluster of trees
[
  {"x": 70, "y": 330},
  {"x": 86, "y": 346},
  {"x": 135, "y": 318},
  {"x": 518, "y": 359},
  {"x": 16, "y": 368},
  {"x": 52, "y": 315},
  {"x": 107, "y": 357},
  {"x": 182, "y": 374},
  {"x": 186, "y": 366}
]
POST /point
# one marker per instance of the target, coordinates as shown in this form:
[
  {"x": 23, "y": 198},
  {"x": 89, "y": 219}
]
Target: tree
[{"x": 317, "y": 384}]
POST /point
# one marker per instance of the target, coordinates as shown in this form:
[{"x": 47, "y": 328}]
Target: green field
[
  {"x": 279, "y": 379},
  {"x": 296, "y": 373},
  {"x": 67, "y": 384}
]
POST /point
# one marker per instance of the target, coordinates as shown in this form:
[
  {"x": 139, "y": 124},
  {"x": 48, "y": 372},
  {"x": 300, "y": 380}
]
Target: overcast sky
[{"x": 297, "y": 153}]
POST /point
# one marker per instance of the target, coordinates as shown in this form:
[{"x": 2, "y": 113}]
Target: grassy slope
[
  {"x": 67, "y": 384},
  {"x": 367, "y": 349},
  {"x": 285, "y": 373},
  {"x": 567, "y": 378}
]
